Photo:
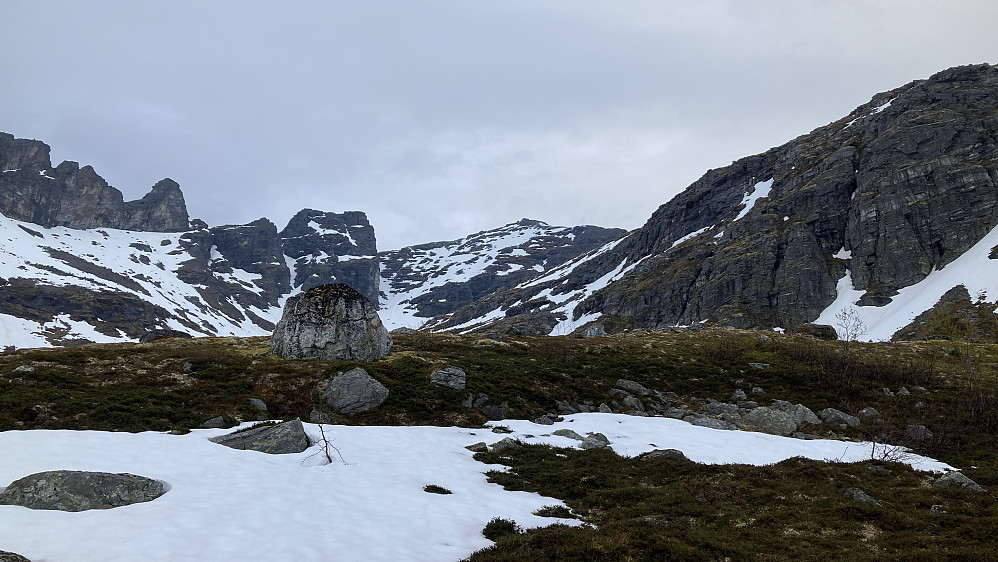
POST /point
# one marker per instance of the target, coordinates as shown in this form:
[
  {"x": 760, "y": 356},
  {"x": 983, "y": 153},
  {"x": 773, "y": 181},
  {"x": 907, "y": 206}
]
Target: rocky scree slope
[
  {"x": 79, "y": 264},
  {"x": 424, "y": 285},
  {"x": 901, "y": 187}
]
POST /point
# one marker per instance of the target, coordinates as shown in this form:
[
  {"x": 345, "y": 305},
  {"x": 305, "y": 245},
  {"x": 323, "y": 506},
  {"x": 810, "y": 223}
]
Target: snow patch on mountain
[{"x": 975, "y": 270}]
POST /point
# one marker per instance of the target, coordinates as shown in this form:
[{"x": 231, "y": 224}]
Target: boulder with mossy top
[{"x": 332, "y": 322}]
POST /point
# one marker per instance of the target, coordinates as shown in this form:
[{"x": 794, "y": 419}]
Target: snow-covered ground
[
  {"x": 974, "y": 270},
  {"x": 225, "y": 504}
]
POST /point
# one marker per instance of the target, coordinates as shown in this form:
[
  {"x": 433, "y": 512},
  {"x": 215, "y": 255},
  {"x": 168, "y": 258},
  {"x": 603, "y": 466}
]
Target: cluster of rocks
[{"x": 780, "y": 417}]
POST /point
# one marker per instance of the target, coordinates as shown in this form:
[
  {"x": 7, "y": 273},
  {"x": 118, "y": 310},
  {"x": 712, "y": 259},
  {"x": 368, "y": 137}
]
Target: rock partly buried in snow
[
  {"x": 568, "y": 433},
  {"x": 331, "y": 322},
  {"x": 768, "y": 420},
  {"x": 217, "y": 422},
  {"x": 11, "y": 557},
  {"x": 714, "y": 423},
  {"x": 595, "y": 441},
  {"x": 353, "y": 392},
  {"x": 449, "y": 377},
  {"x": 960, "y": 480},
  {"x": 280, "y": 439},
  {"x": 664, "y": 454},
  {"x": 72, "y": 490}
]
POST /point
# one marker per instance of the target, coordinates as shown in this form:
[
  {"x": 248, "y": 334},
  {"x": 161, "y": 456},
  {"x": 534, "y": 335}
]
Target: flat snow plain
[{"x": 225, "y": 504}]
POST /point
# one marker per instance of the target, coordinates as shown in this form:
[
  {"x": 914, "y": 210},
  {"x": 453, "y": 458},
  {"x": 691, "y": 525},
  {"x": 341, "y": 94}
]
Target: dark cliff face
[
  {"x": 68, "y": 195},
  {"x": 326, "y": 247},
  {"x": 905, "y": 184}
]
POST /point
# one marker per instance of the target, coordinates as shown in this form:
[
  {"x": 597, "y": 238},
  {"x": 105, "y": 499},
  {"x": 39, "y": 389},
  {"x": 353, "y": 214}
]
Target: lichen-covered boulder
[
  {"x": 353, "y": 392},
  {"x": 74, "y": 490},
  {"x": 449, "y": 377},
  {"x": 768, "y": 420},
  {"x": 331, "y": 322},
  {"x": 279, "y": 439},
  {"x": 11, "y": 557}
]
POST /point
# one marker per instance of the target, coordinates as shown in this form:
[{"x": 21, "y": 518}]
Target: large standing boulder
[
  {"x": 279, "y": 439},
  {"x": 330, "y": 322},
  {"x": 353, "y": 392},
  {"x": 73, "y": 490}
]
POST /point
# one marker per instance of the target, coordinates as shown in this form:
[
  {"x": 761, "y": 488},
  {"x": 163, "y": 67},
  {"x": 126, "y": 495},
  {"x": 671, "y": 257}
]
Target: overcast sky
[{"x": 443, "y": 118}]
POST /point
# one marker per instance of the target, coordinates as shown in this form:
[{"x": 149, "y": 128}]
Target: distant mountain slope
[
  {"x": 863, "y": 207},
  {"x": 425, "y": 284}
]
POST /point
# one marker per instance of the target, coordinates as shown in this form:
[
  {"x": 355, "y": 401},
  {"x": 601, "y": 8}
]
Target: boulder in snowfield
[
  {"x": 279, "y": 439},
  {"x": 74, "y": 490}
]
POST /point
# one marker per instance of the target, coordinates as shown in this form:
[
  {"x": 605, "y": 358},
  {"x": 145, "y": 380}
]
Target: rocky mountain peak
[{"x": 77, "y": 197}]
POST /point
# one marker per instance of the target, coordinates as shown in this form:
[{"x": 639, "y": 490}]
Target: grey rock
[
  {"x": 878, "y": 468},
  {"x": 494, "y": 412},
  {"x": 501, "y": 429},
  {"x": 353, "y": 392},
  {"x": 633, "y": 404},
  {"x": 24, "y": 369},
  {"x": 958, "y": 479},
  {"x": 217, "y": 422},
  {"x": 804, "y": 436},
  {"x": 480, "y": 447},
  {"x": 595, "y": 441},
  {"x": 603, "y": 408},
  {"x": 833, "y": 416},
  {"x": 260, "y": 406},
  {"x": 564, "y": 407},
  {"x": 11, "y": 557},
  {"x": 747, "y": 404},
  {"x": 714, "y": 423},
  {"x": 768, "y": 420},
  {"x": 718, "y": 408},
  {"x": 917, "y": 433},
  {"x": 318, "y": 416},
  {"x": 937, "y": 509},
  {"x": 665, "y": 454},
  {"x": 869, "y": 412},
  {"x": 544, "y": 420},
  {"x": 568, "y": 433},
  {"x": 469, "y": 401},
  {"x": 855, "y": 494},
  {"x": 801, "y": 414},
  {"x": 71, "y": 490},
  {"x": 283, "y": 438},
  {"x": 332, "y": 322},
  {"x": 675, "y": 413},
  {"x": 888, "y": 392},
  {"x": 505, "y": 444},
  {"x": 763, "y": 338},
  {"x": 738, "y": 395},
  {"x": 449, "y": 377},
  {"x": 904, "y": 392},
  {"x": 759, "y": 365},
  {"x": 633, "y": 387},
  {"x": 758, "y": 389},
  {"x": 480, "y": 401},
  {"x": 187, "y": 367}
]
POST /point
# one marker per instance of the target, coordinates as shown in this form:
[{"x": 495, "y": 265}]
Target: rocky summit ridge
[{"x": 867, "y": 205}]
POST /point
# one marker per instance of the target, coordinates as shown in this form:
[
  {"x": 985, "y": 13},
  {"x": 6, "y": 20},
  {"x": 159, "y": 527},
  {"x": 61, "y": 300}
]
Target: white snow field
[
  {"x": 224, "y": 504},
  {"x": 973, "y": 269}
]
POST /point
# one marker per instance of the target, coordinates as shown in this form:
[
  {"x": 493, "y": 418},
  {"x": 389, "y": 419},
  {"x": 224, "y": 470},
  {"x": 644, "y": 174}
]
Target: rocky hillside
[
  {"x": 871, "y": 211},
  {"x": 425, "y": 284}
]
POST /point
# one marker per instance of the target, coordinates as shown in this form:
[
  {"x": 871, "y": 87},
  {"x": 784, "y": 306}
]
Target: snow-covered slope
[
  {"x": 424, "y": 284},
  {"x": 224, "y": 504},
  {"x": 60, "y": 285}
]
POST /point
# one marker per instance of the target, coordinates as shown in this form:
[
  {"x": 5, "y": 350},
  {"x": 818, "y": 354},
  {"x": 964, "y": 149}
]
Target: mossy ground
[{"x": 792, "y": 510}]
